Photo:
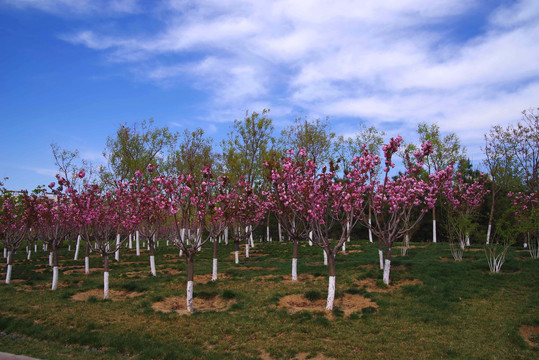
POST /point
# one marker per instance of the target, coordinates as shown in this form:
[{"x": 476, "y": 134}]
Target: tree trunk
[
  {"x": 29, "y": 254},
  {"x": 434, "y": 224},
  {"x": 370, "y": 222},
  {"x": 9, "y": 266},
  {"x": 117, "y": 252},
  {"x": 236, "y": 252},
  {"x": 381, "y": 254},
  {"x": 325, "y": 257},
  {"x": 387, "y": 266},
  {"x": 130, "y": 241},
  {"x": 87, "y": 259},
  {"x": 331, "y": 285},
  {"x": 226, "y": 235},
  {"x": 190, "y": 278},
  {"x": 106, "y": 276},
  {"x": 491, "y": 216},
  {"x": 280, "y": 233},
  {"x": 77, "y": 247},
  {"x": 214, "y": 265},
  {"x": 152, "y": 258},
  {"x": 137, "y": 243},
  {"x": 295, "y": 260},
  {"x": 311, "y": 239},
  {"x": 54, "y": 252}
]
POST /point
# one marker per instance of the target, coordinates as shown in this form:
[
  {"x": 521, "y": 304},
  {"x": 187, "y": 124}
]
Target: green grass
[{"x": 456, "y": 310}]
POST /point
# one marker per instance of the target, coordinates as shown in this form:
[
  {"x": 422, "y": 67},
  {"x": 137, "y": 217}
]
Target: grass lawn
[{"x": 434, "y": 308}]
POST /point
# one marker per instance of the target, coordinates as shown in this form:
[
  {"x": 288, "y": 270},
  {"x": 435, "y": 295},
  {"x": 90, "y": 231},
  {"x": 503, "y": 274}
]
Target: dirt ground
[
  {"x": 114, "y": 295},
  {"x": 178, "y": 304},
  {"x": 348, "y": 304},
  {"x": 530, "y": 332},
  {"x": 370, "y": 285}
]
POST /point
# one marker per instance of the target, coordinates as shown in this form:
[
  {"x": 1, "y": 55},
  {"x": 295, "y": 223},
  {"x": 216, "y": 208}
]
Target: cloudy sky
[{"x": 72, "y": 71}]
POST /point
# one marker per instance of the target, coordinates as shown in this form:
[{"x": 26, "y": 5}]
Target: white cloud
[
  {"x": 392, "y": 62},
  {"x": 78, "y": 7}
]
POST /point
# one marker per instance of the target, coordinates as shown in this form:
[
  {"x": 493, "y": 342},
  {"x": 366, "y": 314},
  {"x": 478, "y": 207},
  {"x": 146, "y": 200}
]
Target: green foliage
[{"x": 313, "y": 295}]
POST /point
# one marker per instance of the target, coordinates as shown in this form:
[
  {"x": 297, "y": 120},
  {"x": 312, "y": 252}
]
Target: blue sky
[{"x": 72, "y": 71}]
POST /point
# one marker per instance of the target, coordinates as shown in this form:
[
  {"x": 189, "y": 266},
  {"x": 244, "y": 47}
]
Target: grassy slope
[{"x": 460, "y": 310}]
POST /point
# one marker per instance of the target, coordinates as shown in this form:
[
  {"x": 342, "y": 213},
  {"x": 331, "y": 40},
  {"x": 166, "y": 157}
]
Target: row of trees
[{"x": 190, "y": 205}]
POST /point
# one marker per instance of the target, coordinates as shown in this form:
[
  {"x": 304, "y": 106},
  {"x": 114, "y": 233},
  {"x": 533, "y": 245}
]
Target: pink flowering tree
[
  {"x": 13, "y": 225},
  {"x": 148, "y": 206},
  {"x": 245, "y": 211},
  {"x": 283, "y": 202},
  {"x": 104, "y": 223},
  {"x": 54, "y": 219},
  {"x": 196, "y": 208},
  {"x": 393, "y": 201},
  {"x": 526, "y": 211},
  {"x": 322, "y": 203},
  {"x": 462, "y": 200}
]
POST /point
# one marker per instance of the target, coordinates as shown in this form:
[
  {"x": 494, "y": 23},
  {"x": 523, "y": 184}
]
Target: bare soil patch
[
  {"x": 253, "y": 268},
  {"x": 370, "y": 285},
  {"x": 348, "y": 304},
  {"x": 206, "y": 278},
  {"x": 178, "y": 304},
  {"x": 81, "y": 270},
  {"x": 114, "y": 295},
  {"x": 411, "y": 247},
  {"x": 530, "y": 334},
  {"x": 348, "y": 252},
  {"x": 287, "y": 279}
]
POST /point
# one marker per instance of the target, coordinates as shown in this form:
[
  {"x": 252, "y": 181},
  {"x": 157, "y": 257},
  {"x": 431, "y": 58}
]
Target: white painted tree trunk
[
  {"x": 226, "y": 235},
  {"x": 86, "y": 265},
  {"x": 8, "y": 274},
  {"x": 267, "y": 234},
  {"x": 5, "y": 253},
  {"x": 167, "y": 242},
  {"x": 189, "y": 296},
  {"x": 344, "y": 247},
  {"x": 50, "y": 258},
  {"x": 137, "y": 243},
  {"x": 525, "y": 245},
  {"x": 387, "y": 267},
  {"x": 181, "y": 253},
  {"x": 467, "y": 239},
  {"x": 311, "y": 238},
  {"x": 77, "y": 247},
  {"x": 247, "y": 250},
  {"x": 295, "y": 269},
  {"x": 35, "y": 248},
  {"x": 325, "y": 257},
  {"x": 236, "y": 257},
  {"x": 214, "y": 270},
  {"x": 251, "y": 236},
  {"x": 433, "y": 231},
  {"x": 381, "y": 256},
  {"x": 370, "y": 231},
  {"x": 488, "y": 233},
  {"x": 29, "y": 254},
  {"x": 117, "y": 252},
  {"x": 152, "y": 265},
  {"x": 280, "y": 233},
  {"x": 347, "y": 232},
  {"x": 130, "y": 242},
  {"x": 331, "y": 293},
  {"x": 106, "y": 285},
  {"x": 54, "y": 278}
]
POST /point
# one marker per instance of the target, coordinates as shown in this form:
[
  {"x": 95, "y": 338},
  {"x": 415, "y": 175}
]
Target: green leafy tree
[
  {"x": 248, "y": 145},
  {"x": 315, "y": 137},
  {"x": 134, "y": 148},
  {"x": 193, "y": 153},
  {"x": 447, "y": 150}
]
